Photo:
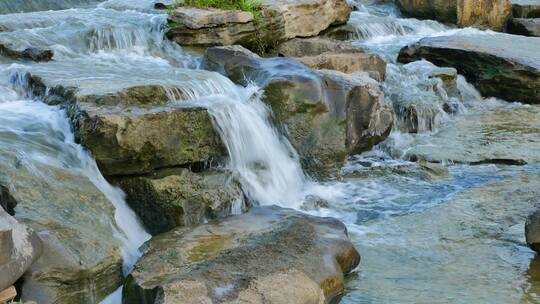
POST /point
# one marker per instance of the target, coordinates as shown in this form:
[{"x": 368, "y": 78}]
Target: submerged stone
[
  {"x": 26, "y": 54},
  {"x": 499, "y": 65},
  {"x": 326, "y": 114},
  {"x": 268, "y": 255},
  {"x": 178, "y": 197},
  {"x": 501, "y": 136}
]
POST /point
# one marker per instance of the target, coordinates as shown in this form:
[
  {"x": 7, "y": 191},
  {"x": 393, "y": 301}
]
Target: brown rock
[{"x": 491, "y": 14}]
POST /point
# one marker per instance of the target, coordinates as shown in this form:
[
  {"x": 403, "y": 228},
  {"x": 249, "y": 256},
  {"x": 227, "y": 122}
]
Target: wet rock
[
  {"x": 26, "y": 54},
  {"x": 532, "y": 230},
  {"x": 137, "y": 140},
  {"x": 134, "y": 130},
  {"x": 81, "y": 259},
  {"x": 500, "y": 136},
  {"x": 441, "y": 10},
  {"x": 280, "y": 20},
  {"x": 526, "y": 27},
  {"x": 320, "y": 53},
  {"x": 19, "y": 248},
  {"x": 490, "y": 14},
  {"x": 285, "y": 257},
  {"x": 511, "y": 73},
  {"x": 525, "y": 9},
  {"x": 326, "y": 114},
  {"x": 179, "y": 197},
  {"x": 420, "y": 170}
]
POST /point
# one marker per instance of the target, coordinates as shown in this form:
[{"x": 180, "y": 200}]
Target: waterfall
[{"x": 265, "y": 163}]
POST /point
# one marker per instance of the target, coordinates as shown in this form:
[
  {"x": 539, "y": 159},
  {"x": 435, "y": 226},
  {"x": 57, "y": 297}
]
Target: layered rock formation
[
  {"x": 511, "y": 73},
  {"x": 284, "y": 256},
  {"x": 523, "y": 26},
  {"x": 279, "y": 20},
  {"x": 491, "y": 14},
  {"x": 327, "y": 115}
]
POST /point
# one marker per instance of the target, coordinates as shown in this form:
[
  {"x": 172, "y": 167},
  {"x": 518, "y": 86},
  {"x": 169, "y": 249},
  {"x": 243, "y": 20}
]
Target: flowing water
[{"x": 446, "y": 233}]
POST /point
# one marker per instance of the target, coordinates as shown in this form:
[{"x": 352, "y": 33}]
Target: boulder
[
  {"x": 490, "y": 14},
  {"x": 525, "y": 27},
  {"x": 19, "y": 248},
  {"x": 285, "y": 257},
  {"x": 279, "y": 20},
  {"x": 525, "y": 8},
  {"x": 178, "y": 197},
  {"x": 327, "y": 115},
  {"x": 499, "y": 65},
  {"x": 135, "y": 129},
  {"x": 321, "y": 53},
  {"x": 532, "y": 230},
  {"x": 137, "y": 140}
]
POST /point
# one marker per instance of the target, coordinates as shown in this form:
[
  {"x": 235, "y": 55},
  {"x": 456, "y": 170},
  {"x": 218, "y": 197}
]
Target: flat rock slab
[
  {"x": 499, "y": 65},
  {"x": 526, "y": 27},
  {"x": 507, "y": 136},
  {"x": 526, "y": 8},
  {"x": 268, "y": 255},
  {"x": 195, "y": 18}
]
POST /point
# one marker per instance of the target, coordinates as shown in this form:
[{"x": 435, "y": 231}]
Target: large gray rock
[
  {"x": 322, "y": 53},
  {"x": 327, "y": 115},
  {"x": 279, "y": 20},
  {"x": 284, "y": 257},
  {"x": 499, "y": 65},
  {"x": 179, "y": 197},
  {"x": 526, "y": 27},
  {"x": 526, "y": 8},
  {"x": 19, "y": 248}
]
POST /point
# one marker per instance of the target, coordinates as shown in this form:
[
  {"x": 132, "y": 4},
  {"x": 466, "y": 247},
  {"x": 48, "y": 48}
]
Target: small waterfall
[{"x": 264, "y": 161}]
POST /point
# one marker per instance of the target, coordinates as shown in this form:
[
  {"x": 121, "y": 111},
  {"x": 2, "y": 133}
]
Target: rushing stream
[{"x": 427, "y": 234}]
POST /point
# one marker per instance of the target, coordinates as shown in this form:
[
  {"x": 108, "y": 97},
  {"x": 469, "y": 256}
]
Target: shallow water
[{"x": 449, "y": 233}]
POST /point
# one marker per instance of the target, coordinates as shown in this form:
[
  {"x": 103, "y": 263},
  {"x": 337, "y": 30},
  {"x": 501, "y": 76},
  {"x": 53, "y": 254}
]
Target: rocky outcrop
[
  {"x": 285, "y": 257},
  {"x": 441, "y": 10},
  {"x": 137, "y": 140},
  {"x": 490, "y": 14},
  {"x": 81, "y": 259},
  {"x": 327, "y": 115},
  {"x": 279, "y": 20},
  {"x": 525, "y": 9},
  {"x": 321, "y": 53},
  {"x": 511, "y": 73},
  {"x": 134, "y": 129},
  {"x": 525, "y": 27},
  {"x": 179, "y": 197},
  {"x": 19, "y": 248}
]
